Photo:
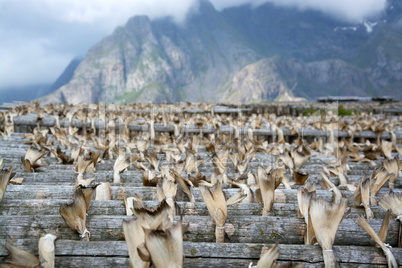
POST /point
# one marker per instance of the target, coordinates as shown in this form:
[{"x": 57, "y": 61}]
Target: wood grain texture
[
  {"x": 203, "y": 253},
  {"x": 49, "y": 121},
  {"x": 247, "y": 229},
  {"x": 117, "y": 207},
  {"x": 149, "y": 193}
]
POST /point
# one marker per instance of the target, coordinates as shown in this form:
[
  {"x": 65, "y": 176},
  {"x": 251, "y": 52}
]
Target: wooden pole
[{"x": 49, "y": 121}]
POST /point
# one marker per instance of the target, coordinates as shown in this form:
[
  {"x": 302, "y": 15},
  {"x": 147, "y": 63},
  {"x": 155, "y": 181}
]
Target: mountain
[
  {"x": 275, "y": 78},
  {"x": 66, "y": 76},
  {"x": 241, "y": 54}
]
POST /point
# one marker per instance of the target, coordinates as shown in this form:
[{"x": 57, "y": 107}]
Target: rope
[{"x": 83, "y": 234}]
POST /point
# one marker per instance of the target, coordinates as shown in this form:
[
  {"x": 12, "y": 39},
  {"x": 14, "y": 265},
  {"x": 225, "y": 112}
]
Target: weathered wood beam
[
  {"x": 248, "y": 229},
  {"x": 117, "y": 207},
  {"x": 132, "y": 175},
  {"x": 190, "y": 263},
  {"x": 134, "y": 178},
  {"x": 208, "y": 251},
  {"x": 149, "y": 193},
  {"x": 49, "y": 121},
  {"x": 316, "y": 161}
]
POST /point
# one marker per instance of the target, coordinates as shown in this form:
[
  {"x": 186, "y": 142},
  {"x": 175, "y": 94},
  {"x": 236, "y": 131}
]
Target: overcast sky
[{"x": 38, "y": 38}]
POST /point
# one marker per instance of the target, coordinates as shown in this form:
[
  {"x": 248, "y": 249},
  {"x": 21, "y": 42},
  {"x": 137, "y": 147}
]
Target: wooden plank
[
  {"x": 135, "y": 177},
  {"x": 242, "y": 263},
  {"x": 293, "y": 253},
  {"x": 88, "y": 261},
  {"x": 219, "y": 251},
  {"x": 261, "y": 158},
  {"x": 49, "y": 121},
  {"x": 189, "y": 262},
  {"x": 149, "y": 193},
  {"x": 130, "y": 179},
  {"x": 117, "y": 207},
  {"x": 315, "y": 159},
  {"x": 131, "y": 174},
  {"x": 54, "y": 166},
  {"x": 104, "y": 171},
  {"x": 265, "y": 160},
  {"x": 248, "y": 229},
  {"x": 68, "y": 174}
]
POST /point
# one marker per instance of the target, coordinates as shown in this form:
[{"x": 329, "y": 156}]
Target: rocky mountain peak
[
  {"x": 239, "y": 54},
  {"x": 139, "y": 26}
]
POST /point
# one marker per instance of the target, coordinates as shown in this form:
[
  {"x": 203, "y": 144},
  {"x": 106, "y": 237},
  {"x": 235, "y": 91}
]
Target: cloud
[
  {"x": 31, "y": 62},
  {"x": 352, "y": 11},
  {"x": 97, "y": 11},
  {"x": 105, "y": 13},
  {"x": 39, "y": 38}
]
